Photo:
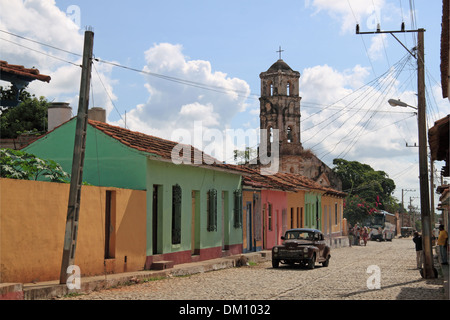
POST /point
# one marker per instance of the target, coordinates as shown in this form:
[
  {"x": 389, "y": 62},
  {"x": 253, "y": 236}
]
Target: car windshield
[{"x": 299, "y": 235}]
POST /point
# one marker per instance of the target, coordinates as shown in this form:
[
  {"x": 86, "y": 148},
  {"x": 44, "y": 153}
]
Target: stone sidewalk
[{"x": 52, "y": 289}]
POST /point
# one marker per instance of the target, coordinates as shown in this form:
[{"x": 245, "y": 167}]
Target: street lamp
[{"x": 398, "y": 103}]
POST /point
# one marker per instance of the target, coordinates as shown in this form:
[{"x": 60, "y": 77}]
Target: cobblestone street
[{"x": 351, "y": 275}]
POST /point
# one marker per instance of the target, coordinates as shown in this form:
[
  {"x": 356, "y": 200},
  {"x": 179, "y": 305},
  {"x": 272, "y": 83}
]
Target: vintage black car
[{"x": 303, "y": 246}]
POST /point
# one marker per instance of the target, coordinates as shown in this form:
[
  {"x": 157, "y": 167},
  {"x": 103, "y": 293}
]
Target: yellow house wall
[
  {"x": 247, "y": 196},
  {"x": 329, "y": 202},
  {"x": 295, "y": 208},
  {"x": 32, "y": 226}
]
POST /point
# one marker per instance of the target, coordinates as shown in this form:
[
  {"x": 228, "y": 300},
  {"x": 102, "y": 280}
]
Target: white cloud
[
  {"x": 184, "y": 91},
  {"x": 378, "y": 46},
  {"x": 350, "y": 12},
  {"x": 58, "y": 30},
  {"x": 355, "y": 119}
]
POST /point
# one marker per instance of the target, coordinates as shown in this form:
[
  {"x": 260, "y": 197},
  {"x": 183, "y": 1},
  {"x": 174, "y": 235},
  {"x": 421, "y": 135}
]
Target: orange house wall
[
  {"x": 295, "y": 200},
  {"x": 32, "y": 226},
  {"x": 329, "y": 201}
]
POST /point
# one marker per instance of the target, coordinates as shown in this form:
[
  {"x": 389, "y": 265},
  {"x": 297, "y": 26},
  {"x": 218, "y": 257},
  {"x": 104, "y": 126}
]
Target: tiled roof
[
  {"x": 150, "y": 144},
  {"x": 254, "y": 179},
  {"x": 250, "y": 177},
  {"x": 304, "y": 183},
  {"x": 282, "y": 181},
  {"x": 21, "y": 71}
]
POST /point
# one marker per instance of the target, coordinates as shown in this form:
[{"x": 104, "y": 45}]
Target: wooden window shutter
[
  {"x": 212, "y": 210},
  {"x": 176, "y": 214},
  {"x": 237, "y": 208}
]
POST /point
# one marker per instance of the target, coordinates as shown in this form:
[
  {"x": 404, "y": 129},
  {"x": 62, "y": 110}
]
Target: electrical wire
[
  {"x": 219, "y": 89},
  {"x": 362, "y": 39},
  {"x": 40, "y": 43},
  {"x": 43, "y": 53},
  {"x": 109, "y": 96},
  {"x": 381, "y": 88}
]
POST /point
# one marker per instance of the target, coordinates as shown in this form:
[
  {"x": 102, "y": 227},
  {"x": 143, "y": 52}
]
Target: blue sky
[{"x": 227, "y": 44}]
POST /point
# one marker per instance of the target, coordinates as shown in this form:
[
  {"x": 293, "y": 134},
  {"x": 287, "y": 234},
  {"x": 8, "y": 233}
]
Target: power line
[
  {"x": 41, "y": 43},
  {"x": 182, "y": 81},
  {"x": 366, "y": 94},
  {"x": 109, "y": 96},
  {"x": 43, "y": 53},
  {"x": 362, "y": 39}
]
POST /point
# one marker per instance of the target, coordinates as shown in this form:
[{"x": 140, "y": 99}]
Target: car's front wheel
[
  {"x": 275, "y": 263},
  {"x": 326, "y": 262},
  {"x": 312, "y": 262}
]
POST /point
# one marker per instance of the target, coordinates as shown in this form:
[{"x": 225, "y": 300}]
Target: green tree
[
  {"x": 29, "y": 116},
  {"x": 15, "y": 164},
  {"x": 368, "y": 190},
  {"x": 242, "y": 157}
]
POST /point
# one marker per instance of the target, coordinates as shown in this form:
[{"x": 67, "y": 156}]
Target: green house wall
[
  {"x": 110, "y": 163},
  {"x": 191, "y": 178},
  {"x": 107, "y": 162},
  {"x": 313, "y": 208}
]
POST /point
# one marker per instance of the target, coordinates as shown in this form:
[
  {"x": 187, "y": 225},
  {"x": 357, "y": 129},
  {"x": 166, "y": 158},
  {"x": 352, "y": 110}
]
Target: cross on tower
[{"x": 280, "y": 51}]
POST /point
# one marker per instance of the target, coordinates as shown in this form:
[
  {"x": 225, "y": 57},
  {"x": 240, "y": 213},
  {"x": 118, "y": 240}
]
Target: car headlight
[
  {"x": 275, "y": 250},
  {"x": 305, "y": 250}
]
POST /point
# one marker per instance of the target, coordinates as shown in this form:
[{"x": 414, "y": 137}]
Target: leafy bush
[{"x": 15, "y": 164}]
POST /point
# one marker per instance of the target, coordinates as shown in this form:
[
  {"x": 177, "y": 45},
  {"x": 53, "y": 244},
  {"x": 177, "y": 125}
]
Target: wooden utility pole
[
  {"x": 403, "y": 206},
  {"x": 428, "y": 271},
  {"x": 70, "y": 237}
]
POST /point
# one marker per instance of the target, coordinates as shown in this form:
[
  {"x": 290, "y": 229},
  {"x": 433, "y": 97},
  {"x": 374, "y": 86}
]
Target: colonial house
[
  {"x": 33, "y": 219},
  {"x": 438, "y": 138},
  {"x": 314, "y": 206},
  {"x": 274, "y": 203},
  {"x": 191, "y": 211}
]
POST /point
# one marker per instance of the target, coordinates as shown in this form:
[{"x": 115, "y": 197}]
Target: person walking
[
  {"x": 365, "y": 235},
  {"x": 358, "y": 236},
  {"x": 350, "y": 236},
  {"x": 417, "y": 239},
  {"x": 442, "y": 243}
]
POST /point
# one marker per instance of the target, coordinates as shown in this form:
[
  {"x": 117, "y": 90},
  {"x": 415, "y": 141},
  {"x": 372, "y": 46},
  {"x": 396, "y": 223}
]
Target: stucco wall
[
  {"x": 273, "y": 230},
  {"x": 329, "y": 206},
  {"x": 32, "y": 226},
  {"x": 198, "y": 180},
  {"x": 107, "y": 161},
  {"x": 296, "y": 209}
]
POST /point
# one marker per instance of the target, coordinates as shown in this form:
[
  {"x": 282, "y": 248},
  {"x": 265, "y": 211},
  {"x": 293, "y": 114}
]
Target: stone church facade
[{"x": 280, "y": 109}]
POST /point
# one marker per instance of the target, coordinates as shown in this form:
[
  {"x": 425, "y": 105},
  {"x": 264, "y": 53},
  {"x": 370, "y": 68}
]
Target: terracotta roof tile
[
  {"x": 250, "y": 177},
  {"x": 151, "y": 144},
  {"x": 31, "y": 74}
]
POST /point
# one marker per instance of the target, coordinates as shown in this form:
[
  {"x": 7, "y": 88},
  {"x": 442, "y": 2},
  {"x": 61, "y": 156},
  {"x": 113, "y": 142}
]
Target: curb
[{"x": 53, "y": 289}]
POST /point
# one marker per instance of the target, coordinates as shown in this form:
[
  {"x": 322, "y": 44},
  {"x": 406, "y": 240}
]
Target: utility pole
[
  {"x": 70, "y": 237},
  {"x": 428, "y": 271},
  {"x": 433, "y": 215},
  {"x": 403, "y": 206}
]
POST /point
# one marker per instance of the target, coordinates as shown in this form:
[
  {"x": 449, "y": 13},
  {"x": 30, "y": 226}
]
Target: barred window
[
  {"x": 237, "y": 208},
  {"x": 176, "y": 214},
  {"x": 212, "y": 210}
]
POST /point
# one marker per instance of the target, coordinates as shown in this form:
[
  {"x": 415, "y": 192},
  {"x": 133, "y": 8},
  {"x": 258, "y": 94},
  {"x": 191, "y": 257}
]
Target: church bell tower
[{"x": 280, "y": 106}]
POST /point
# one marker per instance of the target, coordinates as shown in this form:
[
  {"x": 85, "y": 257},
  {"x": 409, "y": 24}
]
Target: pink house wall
[{"x": 278, "y": 202}]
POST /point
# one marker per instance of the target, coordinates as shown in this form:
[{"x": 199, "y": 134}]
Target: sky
[{"x": 166, "y": 68}]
